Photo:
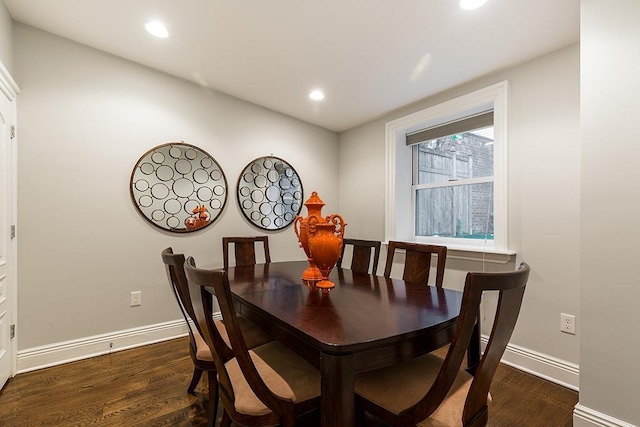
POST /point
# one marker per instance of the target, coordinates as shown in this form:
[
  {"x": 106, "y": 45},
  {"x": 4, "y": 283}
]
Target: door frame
[{"x": 9, "y": 88}]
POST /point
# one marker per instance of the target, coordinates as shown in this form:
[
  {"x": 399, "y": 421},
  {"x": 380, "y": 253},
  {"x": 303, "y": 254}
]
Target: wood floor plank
[{"x": 147, "y": 386}]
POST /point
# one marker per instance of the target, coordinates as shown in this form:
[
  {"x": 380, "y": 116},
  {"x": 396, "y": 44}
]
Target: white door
[{"x": 6, "y": 301}]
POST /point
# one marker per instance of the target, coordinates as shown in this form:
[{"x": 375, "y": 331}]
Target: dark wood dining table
[{"x": 363, "y": 323}]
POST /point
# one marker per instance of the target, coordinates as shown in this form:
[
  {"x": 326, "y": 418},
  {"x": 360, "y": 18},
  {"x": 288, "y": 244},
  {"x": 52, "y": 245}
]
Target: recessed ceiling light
[
  {"x": 471, "y": 4},
  {"x": 157, "y": 29},
  {"x": 316, "y": 95}
]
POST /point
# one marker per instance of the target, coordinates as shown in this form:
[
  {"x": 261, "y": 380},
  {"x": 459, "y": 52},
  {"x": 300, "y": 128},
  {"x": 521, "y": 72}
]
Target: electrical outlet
[
  {"x": 568, "y": 323},
  {"x": 136, "y": 298}
]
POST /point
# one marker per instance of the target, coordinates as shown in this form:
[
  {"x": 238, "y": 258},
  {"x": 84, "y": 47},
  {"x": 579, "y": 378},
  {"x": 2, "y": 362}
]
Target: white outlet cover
[
  {"x": 568, "y": 323},
  {"x": 136, "y": 298}
]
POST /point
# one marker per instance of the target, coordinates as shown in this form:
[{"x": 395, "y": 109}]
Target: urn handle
[
  {"x": 297, "y": 219},
  {"x": 338, "y": 223}
]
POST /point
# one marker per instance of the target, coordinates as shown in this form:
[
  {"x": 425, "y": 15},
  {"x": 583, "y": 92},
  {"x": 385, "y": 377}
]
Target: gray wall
[
  {"x": 6, "y": 38},
  {"x": 609, "y": 373},
  {"x": 544, "y": 193},
  {"x": 86, "y": 117}
]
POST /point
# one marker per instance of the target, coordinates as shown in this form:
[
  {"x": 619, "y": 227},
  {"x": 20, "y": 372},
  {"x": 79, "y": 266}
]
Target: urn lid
[{"x": 314, "y": 200}]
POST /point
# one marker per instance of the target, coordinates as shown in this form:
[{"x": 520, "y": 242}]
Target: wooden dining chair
[
  {"x": 198, "y": 349},
  {"x": 264, "y": 386},
  {"x": 417, "y": 263},
  {"x": 244, "y": 250},
  {"x": 430, "y": 391},
  {"x": 361, "y": 258}
]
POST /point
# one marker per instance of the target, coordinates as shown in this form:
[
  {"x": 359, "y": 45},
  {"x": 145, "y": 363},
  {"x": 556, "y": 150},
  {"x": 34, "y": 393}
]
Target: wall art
[{"x": 178, "y": 187}]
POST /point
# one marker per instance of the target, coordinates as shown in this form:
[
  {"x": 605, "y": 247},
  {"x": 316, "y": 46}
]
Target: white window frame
[{"x": 400, "y": 196}]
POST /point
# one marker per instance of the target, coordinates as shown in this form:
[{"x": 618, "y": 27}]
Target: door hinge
[
  {"x": 12, "y": 331},
  {"x": 13, "y": 231},
  {"x": 13, "y": 131}
]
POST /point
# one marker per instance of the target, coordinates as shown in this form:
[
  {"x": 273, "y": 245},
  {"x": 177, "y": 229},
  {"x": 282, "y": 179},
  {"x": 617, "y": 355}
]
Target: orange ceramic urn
[
  {"x": 301, "y": 227},
  {"x": 325, "y": 244}
]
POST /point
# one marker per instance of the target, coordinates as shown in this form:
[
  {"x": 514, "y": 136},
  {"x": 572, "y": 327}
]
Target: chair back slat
[
  {"x": 361, "y": 257},
  {"x": 244, "y": 250},
  {"x": 417, "y": 264}
]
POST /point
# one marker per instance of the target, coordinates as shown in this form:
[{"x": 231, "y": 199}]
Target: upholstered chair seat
[
  {"x": 253, "y": 334},
  {"x": 410, "y": 381},
  {"x": 285, "y": 373}
]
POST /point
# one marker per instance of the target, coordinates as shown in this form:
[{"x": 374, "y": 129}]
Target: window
[
  {"x": 453, "y": 179},
  {"x": 446, "y": 173}
]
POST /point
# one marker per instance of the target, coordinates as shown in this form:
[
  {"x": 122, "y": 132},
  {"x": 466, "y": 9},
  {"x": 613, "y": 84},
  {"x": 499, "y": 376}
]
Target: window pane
[
  {"x": 463, "y": 211},
  {"x": 454, "y": 157}
]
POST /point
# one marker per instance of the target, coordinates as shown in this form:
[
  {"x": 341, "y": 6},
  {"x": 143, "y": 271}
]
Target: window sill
[{"x": 476, "y": 253}]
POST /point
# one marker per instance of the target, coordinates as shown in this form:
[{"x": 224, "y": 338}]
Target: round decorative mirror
[
  {"x": 178, "y": 187},
  {"x": 269, "y": 193}
]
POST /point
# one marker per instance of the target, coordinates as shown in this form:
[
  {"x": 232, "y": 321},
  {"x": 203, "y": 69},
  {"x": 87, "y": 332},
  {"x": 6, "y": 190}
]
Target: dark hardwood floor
[{"x": 147, "y": 386}]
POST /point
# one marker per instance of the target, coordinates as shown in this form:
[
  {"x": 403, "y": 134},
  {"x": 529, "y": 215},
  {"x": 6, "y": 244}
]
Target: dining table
[{"x": 363, "y": 323}]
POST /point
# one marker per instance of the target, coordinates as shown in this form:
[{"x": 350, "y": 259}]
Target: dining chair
[
  {"x": 417, "y": 263},
  {"x": 244, "y": 250},
  {"x": 436, "y": 392},
  {"x": 198, "y": 349},
  {"x": 361, "y": 258},
  {"x": 263, "y": 386}
]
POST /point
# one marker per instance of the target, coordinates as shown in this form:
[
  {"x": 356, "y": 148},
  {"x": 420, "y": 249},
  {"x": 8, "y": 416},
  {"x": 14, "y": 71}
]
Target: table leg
[{"x": 337, "y": 382}]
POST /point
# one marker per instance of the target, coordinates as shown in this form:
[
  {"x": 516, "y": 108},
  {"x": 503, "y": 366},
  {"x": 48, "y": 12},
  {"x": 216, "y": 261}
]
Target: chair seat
[
  {"x": 254, "y": 337},
  {"x": 410, "y": 381},
  {"x": 284, "y": 372}
]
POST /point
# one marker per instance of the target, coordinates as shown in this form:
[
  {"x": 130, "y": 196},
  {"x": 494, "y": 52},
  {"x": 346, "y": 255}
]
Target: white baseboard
[
  {"x": 68, "y": 351},
  {"x": 541, "y": 365},
  {"x": 544, "y": 366},
  {"x": 587, "y": 417}
]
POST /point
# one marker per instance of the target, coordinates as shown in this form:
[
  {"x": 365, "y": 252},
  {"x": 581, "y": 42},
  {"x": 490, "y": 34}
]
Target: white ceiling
[{"x": 369, "y": 56}]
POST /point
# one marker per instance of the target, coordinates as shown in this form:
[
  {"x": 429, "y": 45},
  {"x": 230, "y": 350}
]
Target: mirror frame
[
  {"x": 194, "y": 211},
  {"x": 270, "y": 195}
]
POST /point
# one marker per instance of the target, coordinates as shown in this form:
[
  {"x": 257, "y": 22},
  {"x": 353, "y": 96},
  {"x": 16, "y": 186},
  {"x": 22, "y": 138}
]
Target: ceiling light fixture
[
  {"x": 471, "y": 4},
  {"x": 316, "y": 95},
  {"x": 157, "y": 29}
]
